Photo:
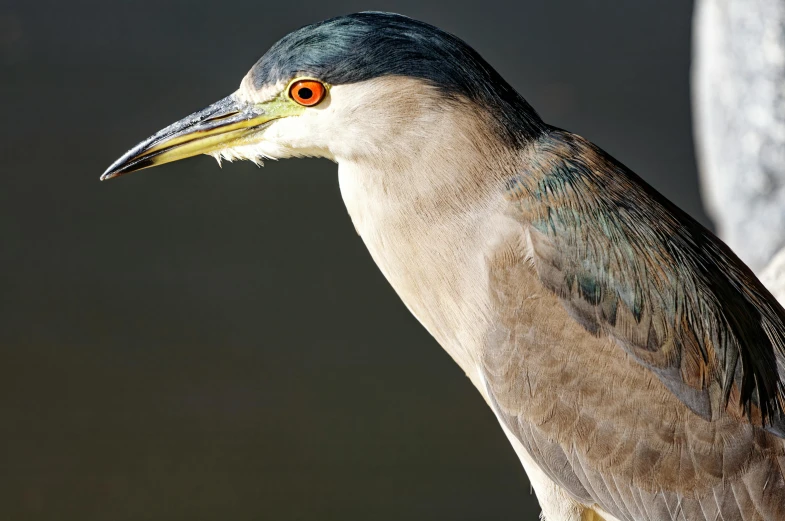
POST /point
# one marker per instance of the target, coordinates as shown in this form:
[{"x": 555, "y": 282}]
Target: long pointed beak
[{"x": 217, "y": 127}]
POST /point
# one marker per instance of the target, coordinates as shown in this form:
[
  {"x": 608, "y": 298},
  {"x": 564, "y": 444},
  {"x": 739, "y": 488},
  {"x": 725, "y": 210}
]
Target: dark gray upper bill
[{"x": 221, "y": 113}]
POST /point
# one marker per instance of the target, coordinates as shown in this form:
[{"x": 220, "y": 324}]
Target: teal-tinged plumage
[
  {"x": 701, "y": 320},
  {"x": 635, "y": 359}
]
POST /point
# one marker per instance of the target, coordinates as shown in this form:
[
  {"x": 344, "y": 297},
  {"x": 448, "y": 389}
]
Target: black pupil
[{"x": 305, "y": 93}]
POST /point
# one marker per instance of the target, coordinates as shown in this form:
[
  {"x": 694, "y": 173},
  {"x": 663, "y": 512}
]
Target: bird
[{"x": 635, "y": 364}]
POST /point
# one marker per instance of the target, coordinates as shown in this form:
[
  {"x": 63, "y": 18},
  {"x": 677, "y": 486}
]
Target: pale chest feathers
[{"x": 436, "y": 254}]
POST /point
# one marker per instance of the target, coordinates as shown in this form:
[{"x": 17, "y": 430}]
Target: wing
[
  {"x": 618, "y": 318},
  {"x": 630, "y": 265}
]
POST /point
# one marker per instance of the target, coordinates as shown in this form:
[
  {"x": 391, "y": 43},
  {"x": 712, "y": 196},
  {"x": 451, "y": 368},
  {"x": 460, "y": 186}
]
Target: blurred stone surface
[
  {"x": 774, "y": 276},
  {"x": 739, "y": 110}
]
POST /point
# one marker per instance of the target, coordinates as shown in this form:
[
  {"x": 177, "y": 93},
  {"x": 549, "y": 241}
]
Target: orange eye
[{"x": 307, "y": 92}]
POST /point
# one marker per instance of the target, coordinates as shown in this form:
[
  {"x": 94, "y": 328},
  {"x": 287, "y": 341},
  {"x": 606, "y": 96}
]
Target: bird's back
[{"x": 643, "y": 375}]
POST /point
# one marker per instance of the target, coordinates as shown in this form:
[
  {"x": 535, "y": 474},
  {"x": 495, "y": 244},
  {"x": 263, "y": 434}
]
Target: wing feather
[{"x": 628, "y": 264}]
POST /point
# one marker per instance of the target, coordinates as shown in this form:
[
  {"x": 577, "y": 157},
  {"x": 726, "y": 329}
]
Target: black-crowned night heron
[{"x": 634, "y": 362}]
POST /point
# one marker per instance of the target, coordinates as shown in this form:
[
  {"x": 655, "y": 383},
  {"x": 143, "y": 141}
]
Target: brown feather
[
  {"x": 618, "y": 426},
  {"x": 630, "y": 265}
]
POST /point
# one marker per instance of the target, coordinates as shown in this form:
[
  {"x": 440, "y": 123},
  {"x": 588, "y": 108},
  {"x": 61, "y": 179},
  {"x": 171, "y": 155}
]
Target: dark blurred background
[{"x": 195, "y": 343}]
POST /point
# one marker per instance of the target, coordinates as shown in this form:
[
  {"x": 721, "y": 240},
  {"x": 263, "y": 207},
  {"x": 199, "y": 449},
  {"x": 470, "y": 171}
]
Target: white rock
[{"x": 739, "y": 110}]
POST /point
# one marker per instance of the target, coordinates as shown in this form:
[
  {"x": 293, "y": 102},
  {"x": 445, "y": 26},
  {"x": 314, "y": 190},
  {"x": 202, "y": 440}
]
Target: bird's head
[{"x": 348, "y": 87}]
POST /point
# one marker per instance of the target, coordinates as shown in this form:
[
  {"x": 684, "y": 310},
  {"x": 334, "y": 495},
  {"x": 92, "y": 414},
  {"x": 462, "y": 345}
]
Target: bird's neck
[{"x": 426, "y": 220}]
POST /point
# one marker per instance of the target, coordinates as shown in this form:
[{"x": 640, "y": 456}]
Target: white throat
[{"x": 426, "y": 215}]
